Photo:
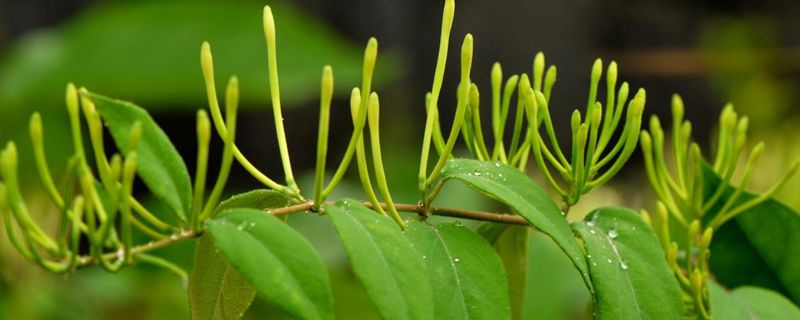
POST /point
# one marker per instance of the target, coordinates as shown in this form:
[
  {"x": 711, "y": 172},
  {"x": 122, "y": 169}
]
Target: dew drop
[
  {"x": 497, "y": 164},
  {"x": 590, "y": 223},
  {"x": 476, "y": 173},
  {"x": 563, "y": 213},
  {"x": 424, "y": 257},
  {"x": 456, "y": 260},
  {"x": 613, "y": 233},
  {"x": 623, "y": 265},
  {"x": 173, "y": 237},
  {"x": 609, "y": 260},
  {"x": 592, "y": 231}
]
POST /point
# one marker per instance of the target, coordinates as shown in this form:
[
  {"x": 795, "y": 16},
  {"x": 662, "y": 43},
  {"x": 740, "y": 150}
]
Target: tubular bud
[
  {"x": 36, "y": 129},
  {"x": 549, "y": 81},
  {"x": 203, "y": 129},
  {"x": 677, "y": 108},
  {"x": 466, "y": 57},
  {"x": 135, "y": 135},
  {"x": 538, "y": 71},
  {"x": 705, "y": 240},
  {"x": 611, "y": 74}
]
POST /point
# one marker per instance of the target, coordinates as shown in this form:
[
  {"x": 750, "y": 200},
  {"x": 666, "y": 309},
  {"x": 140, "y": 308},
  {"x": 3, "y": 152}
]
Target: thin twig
[{"x": 308, "y": 206}]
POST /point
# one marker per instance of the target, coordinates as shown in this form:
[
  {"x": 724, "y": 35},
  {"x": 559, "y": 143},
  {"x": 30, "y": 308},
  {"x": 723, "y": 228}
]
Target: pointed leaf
[
  {"x": 468, "y": 275},
  {"x": 513, "y": 188},
  {"x": 160, "y": 166},
  {"x": 260, "y": 199},
  {"x": 511, "y": 244},
  {"x": 388, "y": 266},
  {"x": 277, "y": 260},
  {"x": 750, "y": 303},
  {"x": 627, "y": 267},
  {"x": 216, "y": 290},
  {"x": 759, "y": 247}
]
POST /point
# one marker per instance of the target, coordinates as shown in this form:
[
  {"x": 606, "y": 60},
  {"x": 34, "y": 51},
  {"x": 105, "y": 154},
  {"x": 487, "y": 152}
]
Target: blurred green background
[{"x": 710, "y": 51}]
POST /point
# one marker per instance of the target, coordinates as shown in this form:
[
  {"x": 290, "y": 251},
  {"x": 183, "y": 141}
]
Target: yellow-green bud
[
  {"x": 662, "y": 211},
  {"x": 646, "y": 217},
  {"x": 524, "y": 83},
  {"x": 116, "y": 167},
  {"x": 355, "y": 102},
  {"x": 697, "y": 280},
  {"x": 86, "y": 103},
  {"x": 677, "y": 108},
  {"x": 705, "y": 240},
  {"x": 326, "y": 92},
  {"x": 72, "y": 99},
  {"x": 694, "y": 228},
  {"x": 36, "y": 128},
  {"x": 672, "y": 254},
  {"x": 597, "y": 114},
  {"x": 135, "y": 135},
  {"x": 538, "y": 70},
  {"x": 636, "y": 107},
  {"x": 597, "y": 70},
  {"x": 232, "y": 95},
  {"x": 207, "y": 63},
  {"x": 8, "y": 161},
  {"x": 474, "y": 96},
  {"x": 447, "y": 14},
  {"x": 373, "y": 110},
  {"x": 575, "y": 120},
  {"x": 497, "y": 75},
  {"x": 203, "y": 128},
  {"x": 370, "y": 56},
  {"x": 269, "y": 25},
  {"x": 646, "y": 142},
  {"x": 686, "y": 129},
  {"x": 550, "y": 78},
  {"x": 611, "y": 74},
  {"x": 728, "y": 118}
]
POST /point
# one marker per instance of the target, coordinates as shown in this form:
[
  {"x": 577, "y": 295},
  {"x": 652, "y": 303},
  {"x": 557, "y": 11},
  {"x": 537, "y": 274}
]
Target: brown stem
[{"x": 307, "y": 206}]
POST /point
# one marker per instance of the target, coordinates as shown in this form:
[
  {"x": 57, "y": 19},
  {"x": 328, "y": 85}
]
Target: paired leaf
[
  {"x": 277, "y": 260},
  {"x": 388, "y": 266},
  {"x": 511, "y": 244},
  {"x": 627, "y": 266},
  {"x": 216, "y": 290},
  {"x": 260, "y": 199},
  {"x": 758, "y": 247},
  {"x": 160, "y": 165},
  {"x": 513, "y": 188},
  {"x": 468, "y": 275},
  {"x": 750, "y": 303}
]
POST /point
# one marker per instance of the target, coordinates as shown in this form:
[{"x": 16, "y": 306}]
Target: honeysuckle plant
[{"x": 634, "y": 265}]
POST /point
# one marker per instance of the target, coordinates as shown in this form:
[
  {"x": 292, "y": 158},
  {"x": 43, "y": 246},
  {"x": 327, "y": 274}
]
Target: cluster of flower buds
[
  {"x": 688, "y": 202},
  {"x": 98, "y": 214}
]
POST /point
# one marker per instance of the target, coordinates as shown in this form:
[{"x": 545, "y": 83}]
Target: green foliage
[
  {"x": 633, "y": 266},
  {"x": 466, "y": 272},
  {"x": 513, "y": 188},
  {"x": 384, "y": 260},
  {"x": 750, "y": 303},
  {"x": 161, "y": 168},
  {"x": 296, "y": 280},
  {"x": 629, "y": 275},
  {"x": 749, "y": 241}
]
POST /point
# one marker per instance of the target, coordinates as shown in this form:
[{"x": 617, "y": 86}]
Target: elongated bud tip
[
  {"x": 597, "y": 114},
  {"x": 497, "y": 74},
  {"x": 466, "y": 53},
  {"x": 694, "y": 227},
  {"x": 269, "y": 24},
  {"x": 449, "y": 10},
  {"x": 705, "y": 240},
  {"x": 86, "y": 102},
  {"x": 355, "y": 101},
  {"x": 524, "y": 83},
  {"x": 8, "y": 159},
  {"x": 743, "y": 125},
  {"x": 646, "y": 141},
  {"x": 203, "y": 128},
  {"x": 428, "y": 96},
  {"x": 597, "y": 70},
  {"x": 636, "y": 107},
  {"x": 728, "y": 118},
  {"x": 72, "y": 99},
  {"x": 129, "y": 169},
  {"x": 538, "y": 63},
  {"x": 583, "y": 132},
  {"x": 36, "y": 128},
  {"x": 646, "y": 217},
  {"x": 686, "y": 129},
  {"x": 677, "y": 107},
  {"x": 662, "y": 212},
  {"x": 207, "y": 61},
  {"x": 327, "y": 82},
  {"x": 371, "y": 52},
  {"x": 135, "y": 135},
  {"x": 697, "y": 280},
  {"x": 575, "y": 120},
  {"x": 672, "y": 253},
  {"x": 655, "y": 125},
  {"x": 374, "y": 109},
  {"x": 232, "y": 94},
  {"x": 474, "y": 95},
  {"x": 611, "y": 75}
]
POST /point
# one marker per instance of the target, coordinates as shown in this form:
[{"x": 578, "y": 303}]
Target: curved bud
[
  {"x": 36, "y": 129},
  {"x": 524, "y": 83},
  {"x": 355, "y": 102},
  {"x": 705, "y": 240},
  {"x": 646, "y": 217},
  {"x": 611, "y": 74},
  {"x": 373, "y": 111},
  {"x": 646, "y": 142},
  {"x": 269, "y": 25},
  {"x": 207, "y": 63},
  {"x": 549, "y": 81},
  {"x": 72, "y": 99},
  {"x": 474, "y": 95},
  {"x": 575, "y": 120}
]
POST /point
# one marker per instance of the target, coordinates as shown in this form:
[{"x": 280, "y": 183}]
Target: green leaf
[
  {"x": 759, "y": 247},
  {"x": 260, "y": 199},
  {"x": 750, "y": 303},
  {"x": 468, "y": 275},
  {"x": 511, "y": 244},
  {"x": 627, "y": 267},
  {"x": 516, "y": 190},
  {"x": 159, "y": 164},
  {"x": 216, "y": 290},
  {"x": 277, "y": 260},
  {"x": 388, "y": 266}
]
